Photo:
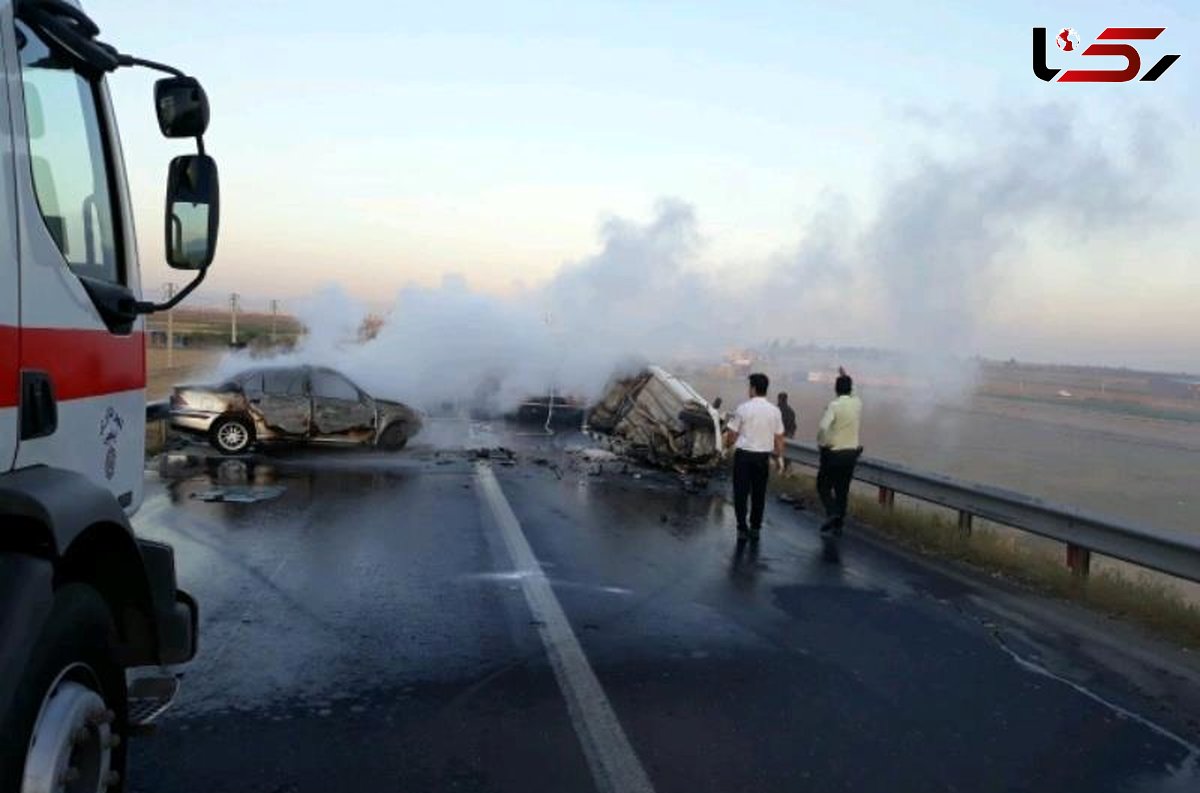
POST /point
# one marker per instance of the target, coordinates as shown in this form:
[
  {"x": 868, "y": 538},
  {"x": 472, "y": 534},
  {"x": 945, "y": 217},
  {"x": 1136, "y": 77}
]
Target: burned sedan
[
  {"x": 293, "y": 404},
  {"x": 658, "y": 418}
]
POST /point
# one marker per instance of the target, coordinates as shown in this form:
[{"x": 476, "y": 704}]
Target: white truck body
[{"x": 46, "y": 316}]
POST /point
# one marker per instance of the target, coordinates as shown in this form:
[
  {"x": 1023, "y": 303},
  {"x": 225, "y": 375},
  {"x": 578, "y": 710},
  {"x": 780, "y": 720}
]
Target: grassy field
[{"x": 1122, "y": 407}]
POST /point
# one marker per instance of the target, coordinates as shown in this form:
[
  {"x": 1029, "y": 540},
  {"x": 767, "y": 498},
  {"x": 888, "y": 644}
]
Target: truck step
[{"x": 149, "y": 697}]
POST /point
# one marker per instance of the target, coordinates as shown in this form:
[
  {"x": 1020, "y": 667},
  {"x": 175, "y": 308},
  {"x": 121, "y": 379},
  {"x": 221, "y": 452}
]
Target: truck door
[
  {"x": 9, "y": 285},
  {"x": 76, "y": 246}
]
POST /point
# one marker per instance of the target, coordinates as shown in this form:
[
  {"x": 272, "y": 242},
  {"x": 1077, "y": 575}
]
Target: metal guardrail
[{"x": 1082, "y": 532}]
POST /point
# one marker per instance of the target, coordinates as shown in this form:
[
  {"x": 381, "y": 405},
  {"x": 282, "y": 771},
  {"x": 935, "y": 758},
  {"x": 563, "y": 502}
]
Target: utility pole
[
  {"x": 170, "y": 328},
  {"x": 233, "y": 312},
  {"x": 274, "y": 317}
]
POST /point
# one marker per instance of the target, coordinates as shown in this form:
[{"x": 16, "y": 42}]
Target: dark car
[
  {"x": 292, "y": 404},
  {"x": 555, "y": 411}
]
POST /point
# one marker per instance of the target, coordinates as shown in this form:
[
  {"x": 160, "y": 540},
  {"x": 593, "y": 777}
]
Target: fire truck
[{"x": 92, "y": 623}]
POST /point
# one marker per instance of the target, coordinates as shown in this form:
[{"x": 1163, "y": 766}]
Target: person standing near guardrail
[
  {"x": 837, "y": 438},
  {"x": 787, "y": 413},
  {"x": 755, "y": 431},
  {"x": 789, "y": 420}
]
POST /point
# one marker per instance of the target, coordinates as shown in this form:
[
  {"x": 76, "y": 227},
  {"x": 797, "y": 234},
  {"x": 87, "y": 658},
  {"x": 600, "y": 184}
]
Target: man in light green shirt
[{"x": 837, "y": 438}]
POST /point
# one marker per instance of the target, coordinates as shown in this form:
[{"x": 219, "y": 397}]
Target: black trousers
[
  {"x": 750, "y": 472},
  {"x": 833, "y": 480}
]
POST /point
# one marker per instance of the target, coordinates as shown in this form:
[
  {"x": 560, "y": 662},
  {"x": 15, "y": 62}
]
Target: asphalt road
[{"x": 430, "y": 621}]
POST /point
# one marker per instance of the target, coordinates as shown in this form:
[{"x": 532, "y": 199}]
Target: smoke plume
[{"x": 914, "y": 276}]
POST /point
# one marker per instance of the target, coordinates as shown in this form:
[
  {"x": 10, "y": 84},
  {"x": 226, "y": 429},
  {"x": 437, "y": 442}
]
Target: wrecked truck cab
[{"x": 660, "y": 419}]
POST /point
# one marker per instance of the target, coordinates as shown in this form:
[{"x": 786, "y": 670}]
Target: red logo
[{"x": 1068, "y": 41}]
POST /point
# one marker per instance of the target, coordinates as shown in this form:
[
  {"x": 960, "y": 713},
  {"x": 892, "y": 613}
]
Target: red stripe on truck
[
  {"x": 10, "y": 337},
  {"x": 81, "y": 363}
]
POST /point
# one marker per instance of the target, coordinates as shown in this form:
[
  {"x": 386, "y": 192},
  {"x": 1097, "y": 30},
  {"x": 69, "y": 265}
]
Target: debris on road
[
  {"x": 500, "y": 453},
  {"x": 593, "y": 455},
  {"x": 795, "y": 502},
  {"x": 240, "y": 494},
  {"x": 657, "y": 418}
]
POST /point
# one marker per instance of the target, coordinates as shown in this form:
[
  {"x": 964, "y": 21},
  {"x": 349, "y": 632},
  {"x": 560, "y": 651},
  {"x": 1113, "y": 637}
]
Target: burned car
[
  {"x": 658, "y": 418},
  {"x": 293, "y": 404}
]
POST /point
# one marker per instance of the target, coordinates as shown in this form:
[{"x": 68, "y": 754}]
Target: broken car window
[
  {"x": 328, "y": 385},
  {"x": 284, "y": 382},
  {"x": 252, "y": 383}
]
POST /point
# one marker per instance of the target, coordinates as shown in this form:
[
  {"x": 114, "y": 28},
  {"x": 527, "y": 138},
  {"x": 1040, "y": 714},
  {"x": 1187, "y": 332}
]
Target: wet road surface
[{"x": 430, "y": 621}]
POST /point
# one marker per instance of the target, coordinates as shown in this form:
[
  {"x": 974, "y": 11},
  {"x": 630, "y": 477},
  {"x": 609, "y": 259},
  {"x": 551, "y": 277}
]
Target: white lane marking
[{"x": 614, "y": 764}]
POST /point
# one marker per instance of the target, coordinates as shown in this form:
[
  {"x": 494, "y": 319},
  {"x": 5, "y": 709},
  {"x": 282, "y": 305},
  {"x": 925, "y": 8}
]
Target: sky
[{"x": 379, "y": 145}]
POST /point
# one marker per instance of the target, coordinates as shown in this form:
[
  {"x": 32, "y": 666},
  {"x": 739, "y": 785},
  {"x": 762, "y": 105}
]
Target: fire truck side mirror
[
  {"x": 182, "y": 107},
  {"x": 192, "y": 212}
]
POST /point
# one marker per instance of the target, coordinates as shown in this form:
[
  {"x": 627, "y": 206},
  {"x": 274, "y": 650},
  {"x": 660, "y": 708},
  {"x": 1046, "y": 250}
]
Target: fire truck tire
[
  {"x": 232, "y": 434},
  {"x": 70, "y": 704}
]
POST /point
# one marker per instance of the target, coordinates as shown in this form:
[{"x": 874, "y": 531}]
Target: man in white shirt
[
  {"x": 838, "y": 441},
  {"x": 756, "y": 432}
]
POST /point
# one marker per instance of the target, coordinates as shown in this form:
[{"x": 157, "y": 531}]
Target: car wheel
[
  {"x": 231, "y": 434},
  {"x": 394, "y": 437},
  {"x": 64, "y": 728}
]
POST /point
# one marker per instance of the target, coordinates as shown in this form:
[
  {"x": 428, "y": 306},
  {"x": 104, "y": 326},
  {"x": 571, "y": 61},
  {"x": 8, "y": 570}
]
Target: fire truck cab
[{"x": 82, "y": 599}]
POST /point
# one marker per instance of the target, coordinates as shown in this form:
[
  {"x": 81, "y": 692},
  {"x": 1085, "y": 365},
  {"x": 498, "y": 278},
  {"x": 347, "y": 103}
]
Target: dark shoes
[{"x": 832, "y": 528}]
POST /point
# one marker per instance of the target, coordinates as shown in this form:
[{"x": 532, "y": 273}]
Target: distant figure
[
  {"x": 755, "y": 431},
  {"x": 837, "y": 439},
  {"x": 716, "y": 403},
  {"x": 789, "y": 415}
]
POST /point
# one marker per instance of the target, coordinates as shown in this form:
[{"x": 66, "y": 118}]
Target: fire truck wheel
[
  {"x": 232, "y": 434},
  {"x": 66, "y": 726}
]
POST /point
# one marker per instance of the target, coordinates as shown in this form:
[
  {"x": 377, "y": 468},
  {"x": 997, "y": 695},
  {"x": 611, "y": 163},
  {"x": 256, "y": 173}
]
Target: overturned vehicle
[
  {"x": 291, "y": 405},
  {"x": 656, "y": 417}
]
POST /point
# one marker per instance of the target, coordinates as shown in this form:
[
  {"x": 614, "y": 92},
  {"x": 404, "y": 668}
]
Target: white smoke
[{"x": 915, "y": 277}]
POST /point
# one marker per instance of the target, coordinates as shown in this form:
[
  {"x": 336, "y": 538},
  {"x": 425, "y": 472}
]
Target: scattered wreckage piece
[
  {"x": 240, "y": 494},
  {"x": 655, "y": 417},
  {"x": 292, "y": 404}
]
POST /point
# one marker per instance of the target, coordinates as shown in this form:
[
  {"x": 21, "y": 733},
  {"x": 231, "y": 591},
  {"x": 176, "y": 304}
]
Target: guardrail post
[
  {"x": 1079, "y": 559},
  {"x": 965, "y": 520},
  {"x": 887, "y": 497}
]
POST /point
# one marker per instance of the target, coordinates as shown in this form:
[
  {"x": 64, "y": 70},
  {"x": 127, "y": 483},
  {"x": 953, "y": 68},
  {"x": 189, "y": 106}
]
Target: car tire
[
  {"x": 394, "y": 437},
  {"x": 232, "y": 434},
  {"x": 71, "y": 683}
]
